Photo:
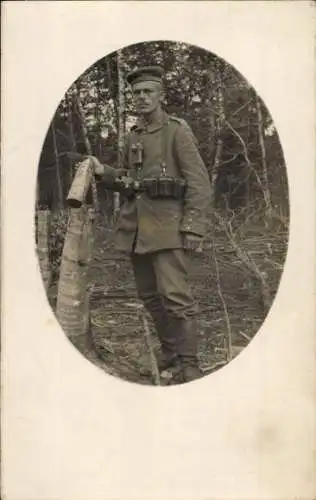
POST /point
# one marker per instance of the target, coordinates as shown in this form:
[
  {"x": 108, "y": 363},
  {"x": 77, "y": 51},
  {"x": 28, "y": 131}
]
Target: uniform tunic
[{"x": 148, "y": 225}]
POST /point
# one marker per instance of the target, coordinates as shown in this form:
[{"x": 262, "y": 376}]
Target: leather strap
[{"x": 164, "y": 148}]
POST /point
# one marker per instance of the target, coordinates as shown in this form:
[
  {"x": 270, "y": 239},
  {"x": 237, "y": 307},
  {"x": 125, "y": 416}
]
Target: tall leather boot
[
  {"x": 187, "y": 343},
  {"x": 168, "y": 341},
  {"x": 166, "y": 335}
]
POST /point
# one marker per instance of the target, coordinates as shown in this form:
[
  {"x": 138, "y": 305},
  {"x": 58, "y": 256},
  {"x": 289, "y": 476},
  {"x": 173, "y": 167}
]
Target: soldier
[{"x": 159, "y": 225}]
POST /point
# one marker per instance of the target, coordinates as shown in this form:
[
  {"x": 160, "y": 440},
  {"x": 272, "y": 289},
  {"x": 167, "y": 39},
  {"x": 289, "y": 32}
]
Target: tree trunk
[
  {"x": 219, "y": 142},
  {"x": 43, "y": 225},
  {"x": 87, "y": 145},
  {"x": 97, "y": 114},
  {"x": 58, "y": 177},
  {"x": 79, "y": 187},
  {"x": 220, "y": 120},
  {"x": 73, "y": 295},
  {"x": 73, "y": 287},
  {"x": 120, "y": 127},
  {"x": 266, "y": 191},
  {"x": 73, "y": 144},
  {"x": 37, "y": 195}
]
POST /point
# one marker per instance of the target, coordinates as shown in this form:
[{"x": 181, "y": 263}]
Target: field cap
[{"x": 145, "y": 74}]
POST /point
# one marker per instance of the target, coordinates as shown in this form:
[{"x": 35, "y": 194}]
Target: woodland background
[{"x": 237, "y": 274}]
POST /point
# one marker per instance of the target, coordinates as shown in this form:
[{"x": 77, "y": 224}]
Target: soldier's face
[{"x": 147, "y": 96}]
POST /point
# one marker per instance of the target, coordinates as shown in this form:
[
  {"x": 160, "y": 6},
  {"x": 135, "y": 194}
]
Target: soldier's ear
[{"x": 163, "y": 96}]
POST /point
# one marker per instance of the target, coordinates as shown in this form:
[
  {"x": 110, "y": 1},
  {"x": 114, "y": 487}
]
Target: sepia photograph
[
  {"x": 158, "y": 217},
  {"x": 162, "y": 213}
]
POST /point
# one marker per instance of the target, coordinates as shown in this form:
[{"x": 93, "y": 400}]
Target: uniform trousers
[{"x": 163, "y": 286}]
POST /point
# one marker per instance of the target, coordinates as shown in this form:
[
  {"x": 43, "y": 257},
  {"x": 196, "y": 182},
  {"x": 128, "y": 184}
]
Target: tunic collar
[{"x": 152, "y": 127}]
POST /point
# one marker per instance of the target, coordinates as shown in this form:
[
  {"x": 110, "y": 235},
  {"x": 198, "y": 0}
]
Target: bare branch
[
  {"x": 274, "y": 264},
  {"x": 221, "y": 296},
  {"x": 151, "y": 351},
  {"x": 230, "y": 159},
  {"x": 243, "y": 334},
  {"x": 242, "y": 107},
  {"x": 242, "y": 142},
  {"x": 248, "y": 261},
  {"x": 266, "y": 193}
]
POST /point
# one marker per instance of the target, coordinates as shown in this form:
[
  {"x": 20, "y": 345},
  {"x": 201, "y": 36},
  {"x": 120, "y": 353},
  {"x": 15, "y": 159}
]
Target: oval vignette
[{"x": 234, "y": 275}]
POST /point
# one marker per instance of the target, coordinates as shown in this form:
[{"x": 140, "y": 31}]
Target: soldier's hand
[
  {"x": 98, "y": 168},
  {"x": 192, "y": 242},
  {"x": 124, "y": 181},
  {"x": 124, "y": 184}
]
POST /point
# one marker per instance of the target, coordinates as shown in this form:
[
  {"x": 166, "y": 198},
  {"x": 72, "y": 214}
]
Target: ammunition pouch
[
  {"x": 164, "y": 187},
  {"x": 157, "y": 188}
]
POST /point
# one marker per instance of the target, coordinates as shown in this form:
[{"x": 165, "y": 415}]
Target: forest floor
[{"x": 217, "y": 274}]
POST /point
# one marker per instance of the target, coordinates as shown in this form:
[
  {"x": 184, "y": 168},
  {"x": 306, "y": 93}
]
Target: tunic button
[{"x": 137, "y": 196}]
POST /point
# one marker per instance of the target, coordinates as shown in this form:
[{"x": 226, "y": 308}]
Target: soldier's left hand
[
  {"x": 125, "y": 181},
  {"x": 192, "y": 242},
  {"x": 98, "y": 168}
]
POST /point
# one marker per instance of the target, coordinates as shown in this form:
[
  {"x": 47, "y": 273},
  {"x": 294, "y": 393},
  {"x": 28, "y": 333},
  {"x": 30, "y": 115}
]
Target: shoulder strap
[
  {"x": 177, "y": 119},
  {"x": 164, "y": 147}
]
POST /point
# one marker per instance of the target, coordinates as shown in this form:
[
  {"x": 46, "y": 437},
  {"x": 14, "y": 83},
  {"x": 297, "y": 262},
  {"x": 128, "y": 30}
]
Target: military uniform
[{"x": 151, "y": 230}]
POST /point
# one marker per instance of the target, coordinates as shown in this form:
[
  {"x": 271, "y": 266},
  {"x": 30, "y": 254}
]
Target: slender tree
[
  {"x": 220, "y": 121},
  {"x": 57, "y": 166},
  {"x": 86, "y": 142},
  {"x": 72, "y": 137},
  {"x": 120, "y": 124},
  {"x": 266, "y": 191},
  {"x": 43, "y": 229}
]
